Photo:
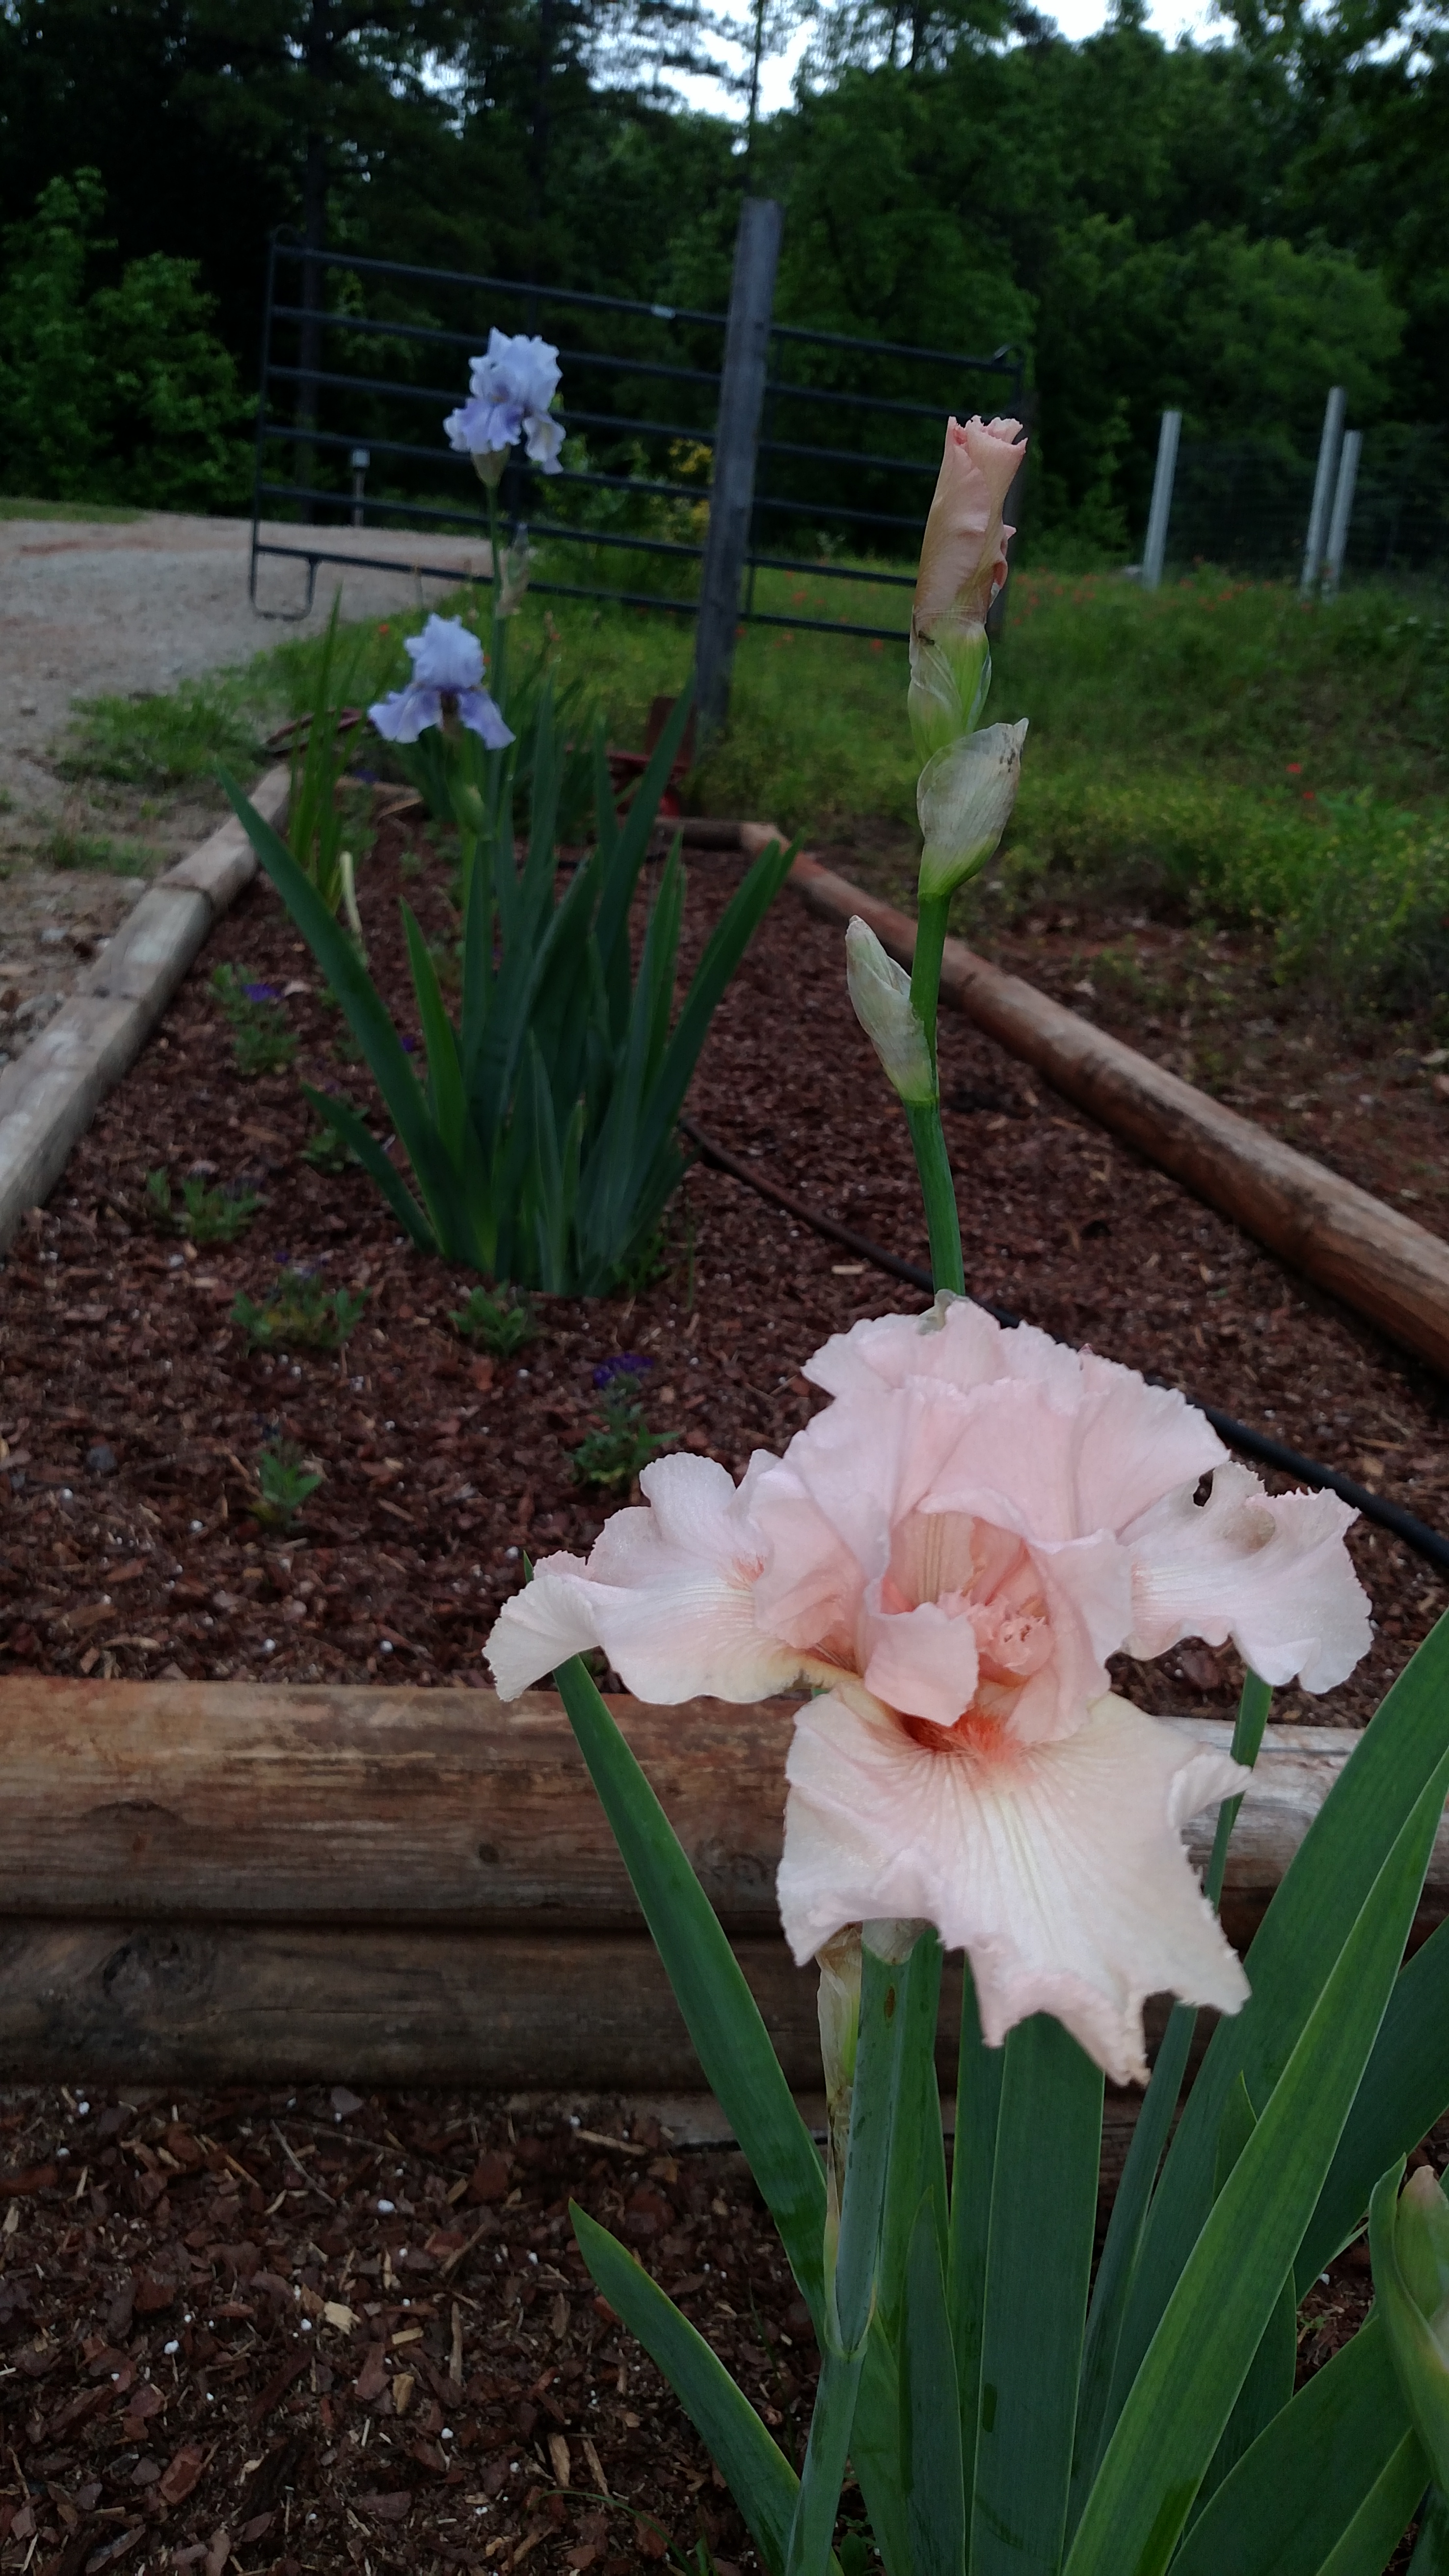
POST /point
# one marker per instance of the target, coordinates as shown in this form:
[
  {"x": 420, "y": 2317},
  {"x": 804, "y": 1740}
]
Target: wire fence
[
  {"x": 361, "y": 358},
  {"x": 1244, "y": 504}
]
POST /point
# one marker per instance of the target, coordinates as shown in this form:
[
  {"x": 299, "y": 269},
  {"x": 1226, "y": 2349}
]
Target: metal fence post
[
  {"x": 1154, "y": 551},
  {"x": 1323, "y": 486},
  {"x": 1338, "y": 525},
  {"x": 741, "y": 400}
]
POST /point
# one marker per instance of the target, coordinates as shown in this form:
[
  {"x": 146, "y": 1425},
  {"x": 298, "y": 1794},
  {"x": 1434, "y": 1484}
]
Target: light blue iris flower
[
  {"x": 447, "y": 681},
  {"x": 510, "y": 391}
]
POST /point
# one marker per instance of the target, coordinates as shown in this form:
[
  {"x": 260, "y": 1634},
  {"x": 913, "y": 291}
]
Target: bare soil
[
  {"x": 50, "y": 926},
  {"x": 132, "y": 1413}
]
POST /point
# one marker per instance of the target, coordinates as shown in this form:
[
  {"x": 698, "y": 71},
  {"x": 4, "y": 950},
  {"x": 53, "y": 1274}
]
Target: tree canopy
[{"x": 1226, "y": 227}]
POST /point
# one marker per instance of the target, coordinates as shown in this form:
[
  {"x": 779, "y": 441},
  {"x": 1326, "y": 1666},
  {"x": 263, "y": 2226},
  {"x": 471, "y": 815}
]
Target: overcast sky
[{"x": 1076, "y": 18}]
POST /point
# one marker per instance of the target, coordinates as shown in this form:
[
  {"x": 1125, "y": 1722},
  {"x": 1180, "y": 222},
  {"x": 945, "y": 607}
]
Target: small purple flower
[
  {"x": 624, "y": 1364},
  {"x": 409, "y": 1045},
  {"x": 261, "y": 992},
  {"x": 447, "y": 682}
]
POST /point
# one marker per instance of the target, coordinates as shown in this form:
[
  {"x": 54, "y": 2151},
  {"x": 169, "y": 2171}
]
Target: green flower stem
[
  {"x": 931, "y": 912},
  {"x": 938, "y": 1189},
  {"x": 497, "y": 674},
  {"x": 1253, "y": 1709}
]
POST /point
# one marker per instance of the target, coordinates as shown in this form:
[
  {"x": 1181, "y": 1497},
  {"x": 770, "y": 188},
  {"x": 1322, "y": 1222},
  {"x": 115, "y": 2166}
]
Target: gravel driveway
[{"x": 88, "y": 610}]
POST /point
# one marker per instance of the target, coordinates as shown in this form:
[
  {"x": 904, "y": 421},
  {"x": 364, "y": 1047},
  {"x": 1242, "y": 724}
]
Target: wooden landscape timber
[
  {"x": 1343, "y": 1238},
  {"x": 50, "y": 1094},
  {"x": 208, "y": 1883}
]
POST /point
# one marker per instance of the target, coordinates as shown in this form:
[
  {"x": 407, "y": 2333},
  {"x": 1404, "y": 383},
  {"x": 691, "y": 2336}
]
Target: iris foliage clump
[{"x": 542, "y": 1133}]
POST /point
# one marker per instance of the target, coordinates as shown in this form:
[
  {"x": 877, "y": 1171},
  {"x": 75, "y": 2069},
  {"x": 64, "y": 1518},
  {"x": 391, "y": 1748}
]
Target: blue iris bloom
[{"x": 447, "y": 681}]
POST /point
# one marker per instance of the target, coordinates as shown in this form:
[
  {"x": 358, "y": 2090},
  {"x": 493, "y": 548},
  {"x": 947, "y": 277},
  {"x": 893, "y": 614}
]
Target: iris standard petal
[{"x": 446, "y": 655}]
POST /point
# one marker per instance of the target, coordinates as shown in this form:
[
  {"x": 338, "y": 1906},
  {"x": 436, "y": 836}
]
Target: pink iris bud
[{"x": 963, "y": 565}]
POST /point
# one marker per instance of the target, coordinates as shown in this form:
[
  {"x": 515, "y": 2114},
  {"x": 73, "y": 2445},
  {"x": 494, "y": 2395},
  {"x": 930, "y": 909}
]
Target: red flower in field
[{"x": 1295, "y": 768}]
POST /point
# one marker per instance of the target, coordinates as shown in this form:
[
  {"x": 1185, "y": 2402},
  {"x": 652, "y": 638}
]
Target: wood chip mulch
[
  {"x": 131, "y": 1412},
  {"x": 312, "y": 2331}
]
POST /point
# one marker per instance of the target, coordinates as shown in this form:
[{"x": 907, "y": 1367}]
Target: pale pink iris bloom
[
  {"x": 963, "y": 552},
  {"x": 950, "y": 1551}
]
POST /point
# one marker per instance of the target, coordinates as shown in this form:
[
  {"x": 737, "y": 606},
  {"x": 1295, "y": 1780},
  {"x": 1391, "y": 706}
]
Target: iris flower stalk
[{"x": 968, "y": 784}]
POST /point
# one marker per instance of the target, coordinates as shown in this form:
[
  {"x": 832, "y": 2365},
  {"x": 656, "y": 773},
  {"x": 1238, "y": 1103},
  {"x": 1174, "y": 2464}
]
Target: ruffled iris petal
[{"x": 1059, "y": 1869}]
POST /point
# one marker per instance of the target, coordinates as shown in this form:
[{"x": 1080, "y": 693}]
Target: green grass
[
  {"x": 103, "y": 511},
  {"x": 64, "y": 849},
  {"x": 1215, "y": 749},
  {"x": 176, "y": 735}
]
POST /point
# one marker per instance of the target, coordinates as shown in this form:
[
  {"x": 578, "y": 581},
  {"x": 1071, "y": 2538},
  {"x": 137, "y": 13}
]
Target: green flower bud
[
  {"x": 469, "y": 810},
  {"x": 950, "y": 675},
  {"x": 838, "y": 2005},
  {"x": 1409, "y": 2242},
  {"x": 880, "y": 993},
  {"x": 964, "y": 801}
]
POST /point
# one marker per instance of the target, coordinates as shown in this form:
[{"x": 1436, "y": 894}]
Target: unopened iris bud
[
  {"x": 880, "y": 993},
  {"x": 950, "y": 677},
  {"x": 963, "y": 565},
  {"x": 838, "y": 2005},
  {"x": 964, "y": 801},
  {"x": 1409, "y": 2242},
  {"x": 468, "y": 807}
]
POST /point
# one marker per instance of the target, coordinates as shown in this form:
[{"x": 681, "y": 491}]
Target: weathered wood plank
[
  {"x": 175, "y": 1801},
  {"x": 231, "y": 2003},
  {"x": 356, "y": 1805}
]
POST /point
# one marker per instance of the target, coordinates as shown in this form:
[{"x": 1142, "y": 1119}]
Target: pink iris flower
[{"x": 949, "y": 1553}]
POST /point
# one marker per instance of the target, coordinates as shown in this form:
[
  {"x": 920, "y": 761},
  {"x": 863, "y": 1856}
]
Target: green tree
[{"x": 123, "y": 393}]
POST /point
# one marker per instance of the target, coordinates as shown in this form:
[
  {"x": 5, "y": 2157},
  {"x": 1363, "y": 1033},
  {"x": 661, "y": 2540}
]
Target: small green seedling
[
  {"x": 207, "y": 1215},
  {"x": 261, "y": 1040},
  {"x": 623, "y": 1443},
  {"x": 328, "y": 1150},
  {"x": 284, "y": 1482},
  {"x": 501, "y": 1324},
  {"x": 301, "y": 1312}
]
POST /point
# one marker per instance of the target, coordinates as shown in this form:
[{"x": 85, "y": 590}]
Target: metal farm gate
[{"x": 705, "y": 448}]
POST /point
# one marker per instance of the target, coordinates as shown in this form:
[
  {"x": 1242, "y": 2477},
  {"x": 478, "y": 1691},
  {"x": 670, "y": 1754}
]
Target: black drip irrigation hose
[{"x": 1426, "y": 1542}]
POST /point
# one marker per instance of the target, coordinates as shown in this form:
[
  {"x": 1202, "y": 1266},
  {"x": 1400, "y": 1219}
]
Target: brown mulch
[
  {"x": 132, "y": 1414},
  {"x": 313, "y": 2331}
]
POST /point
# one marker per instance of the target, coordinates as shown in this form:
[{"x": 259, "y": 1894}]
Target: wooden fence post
[{"x": 741, "y": 400}]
